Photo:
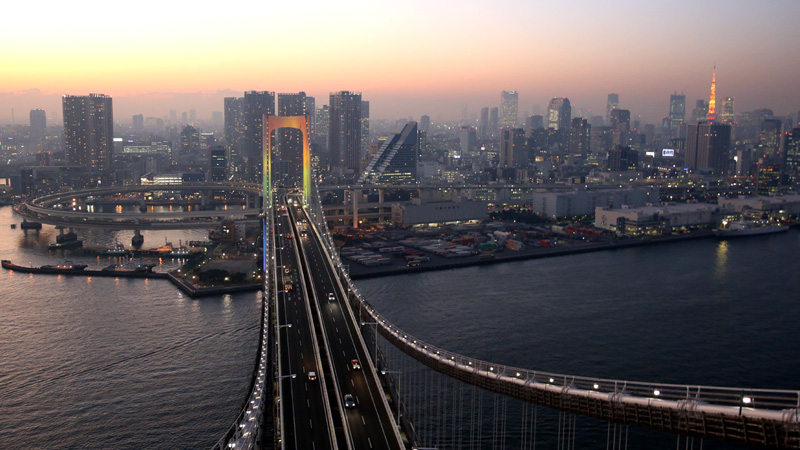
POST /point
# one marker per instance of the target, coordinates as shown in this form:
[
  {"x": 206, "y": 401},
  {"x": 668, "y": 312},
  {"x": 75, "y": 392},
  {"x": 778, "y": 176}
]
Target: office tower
[
  {"x": 395, "y": 162},
  {"x": 287, "y": 162},
  {"x": 622, "y": 158},
  {"x": 89, "y": 131},
  {"x": 707, "y": 146},
  {"x": 218, "y": 167},
  {"x": 712, "y": 102},
  {"x": 344, "y": 143},
  {"x": 38, "y": 121},
  {"x": 425, "y": 123},
  {"x": 234, "y": 134},
  {"x": 255, "y": 105},
  {"x": 184, "y": 118},
  {"x": 769, "y": 140},
  {"x": 512, "y": 148},
  {"x": 192, "y": 116},
  {"x": 620, "y": 124},
  {"x": 494, "y": 124},
  {"x": 137, "y": 123},
  {"x": 700, "y": 110},
  {"x": 173, "y": 116},
  {"x": 579, "y": 135},
  {"x": 611, "y": 104},
  {"x": 767, "y": 178},
  {"x": 677, "y": 113},
  {"x": 464, "y": 114},
  {"x": 559, "y": 114},
  {"x": 509, "y": 101},
  {"x": 532, "y": 123},
  {"x": 311, "y": 109},
  {"x": 597, "y": 121},
  {"x": 483, "y": 124},
  {"x": 727, "y": 113},
  {"x": 364, "y": 127},
  {"x": 468, "y": 141},
  {"x": 216, "y": 119},
  {"x": 792, "y": 165}
]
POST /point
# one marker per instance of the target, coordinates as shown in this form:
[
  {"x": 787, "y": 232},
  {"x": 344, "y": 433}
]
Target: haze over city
[{"x": 408, "y": 59}]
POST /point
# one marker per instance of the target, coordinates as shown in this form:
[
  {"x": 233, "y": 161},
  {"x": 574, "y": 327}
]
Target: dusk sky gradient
[{"x": 407, "y": 58}]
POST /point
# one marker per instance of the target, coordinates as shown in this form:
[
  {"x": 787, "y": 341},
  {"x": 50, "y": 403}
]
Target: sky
[{"x": 407, "y": 58}]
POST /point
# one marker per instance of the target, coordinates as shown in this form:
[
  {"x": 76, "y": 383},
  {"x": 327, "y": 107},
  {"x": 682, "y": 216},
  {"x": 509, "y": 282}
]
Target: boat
[
  {"x": 130, "y": 267},
  {"x": 25, "y": 225},
  {"x": 116, "y": 250},
  {"x": 66, "y": 265},
  {"x": 741, "y": 228},
  {"x": 67, "y": 244},
  {"x": 13, "y": 226}
]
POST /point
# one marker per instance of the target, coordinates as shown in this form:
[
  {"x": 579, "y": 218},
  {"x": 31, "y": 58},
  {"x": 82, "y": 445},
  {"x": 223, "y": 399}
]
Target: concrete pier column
[
  {"x": 356, "y": 194},
  {"x": 137, "y": 240},
  {"x": 380, "y": 195}
]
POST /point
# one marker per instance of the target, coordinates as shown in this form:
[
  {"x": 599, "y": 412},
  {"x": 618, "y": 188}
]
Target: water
[
  {"x": 99, "y": 363},
  {"x": 703, "y": 312}
]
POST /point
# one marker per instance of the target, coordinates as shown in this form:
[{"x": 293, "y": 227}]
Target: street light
[
  {"x": 397, "y": 392},
  {"x": 375, "y": 341}
]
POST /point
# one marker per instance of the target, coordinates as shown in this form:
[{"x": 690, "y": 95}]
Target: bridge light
[
  {"x": 491, "y": 369},
  {"x": 518, "y": 374},
  {"x": 656, "y": 392},
  {"x": 747, "y": 400},
  {"x": 596, "y": 386},
  {"x": 552, "y": 380}
]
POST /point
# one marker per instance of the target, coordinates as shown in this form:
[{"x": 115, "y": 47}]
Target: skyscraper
[
  {"x": 364, "y": 127},
  {"x": 512, "y": 148},
  {"x": 218, "y": 166},
  {"x": 323, "y": 127},
  {"x": 255, "y": 105},
  {"x": 620, "y": 126},
  {"x": 532, "y": 123},
  {"x": 559, "y": 113},
  {"x": 483, "y": 124},
  {"x": 677, "y": 113},
  {"x": 728, "y": 112},
  {"x": 89, "y": 131},
  {"x": 509, "y": 101},
  {"x": 611, "y": 104},
  {"x": 234, "y": 132},
  {"x": 769, "y": 141},
  {"x": 707, "y": 146},
  {"x": 38, "y": 120},
  {"x": 424, "y": 123},
  {"x": 311, "y": 109},
  {"x": 792, "y": 146},
  {"x": 579, "y": 135},
  {"x": 494, "y": 123},
  {"x": 396, "y": 160},
  {"x": 345, "y": 131}
]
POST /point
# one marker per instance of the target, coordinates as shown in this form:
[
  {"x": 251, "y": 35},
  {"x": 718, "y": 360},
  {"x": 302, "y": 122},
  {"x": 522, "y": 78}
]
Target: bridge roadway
[
  {"x": 370, "y": 424},
  {"x": 304, "y": 400}
]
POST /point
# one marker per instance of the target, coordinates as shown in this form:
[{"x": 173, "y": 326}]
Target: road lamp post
[
  {"x": 396, "y": 392},
  {"x": 375, "y": 340}
]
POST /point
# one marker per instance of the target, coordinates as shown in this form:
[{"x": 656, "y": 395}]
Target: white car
[{"x": 331, "y": 297}]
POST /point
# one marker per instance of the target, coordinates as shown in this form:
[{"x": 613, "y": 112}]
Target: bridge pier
[{"x": 137, "y": 240}]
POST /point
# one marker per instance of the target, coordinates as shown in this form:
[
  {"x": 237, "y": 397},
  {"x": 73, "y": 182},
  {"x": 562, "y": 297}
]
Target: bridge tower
[{"x": 297, "y": 122}]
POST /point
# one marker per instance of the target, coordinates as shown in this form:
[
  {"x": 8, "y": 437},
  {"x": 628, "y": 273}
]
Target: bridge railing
[{"x": 772, "y": 404}]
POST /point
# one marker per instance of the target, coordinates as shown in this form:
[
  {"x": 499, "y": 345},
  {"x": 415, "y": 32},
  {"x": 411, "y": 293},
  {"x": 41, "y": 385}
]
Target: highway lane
[
  {"x": 370, "y": 422},
  {"x": 304, "y": 400}
]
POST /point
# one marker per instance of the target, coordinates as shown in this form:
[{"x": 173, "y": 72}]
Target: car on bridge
[
  {"x": 312, "y": 376},
  {"x": 331, "y": 297},
  {"x": 355, "y": 364},
  {"x": 349, "y": 401}
]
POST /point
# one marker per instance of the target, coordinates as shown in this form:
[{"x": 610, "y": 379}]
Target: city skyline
[{"x": 151, "y": 63}]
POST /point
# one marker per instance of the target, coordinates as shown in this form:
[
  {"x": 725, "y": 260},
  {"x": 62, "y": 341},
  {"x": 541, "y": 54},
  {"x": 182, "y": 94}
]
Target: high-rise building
[
  {"x": 728, "y": 112},
  {"x": 287, "y": 160},
  {"x": 620, "y": 124},
  {"x": 792, "y": 165},
  {"x": 255, "y": 106},
  {"x": 559, "y": 113},
  {"x": 137, "y": 123},
  {"x": 234, "y": 133},
  {"x": 395, "y": 162},
  {"x": 311, "y": 108},
  {"x": 769, "y": 141},
  {"x": 494, "y": 123},
  {"x": 677, "y": 113},
  {"x": 712, "y": 102},
  {"x": 345, "y": 131},
  {"x": 611, "y": 104},
  {"x": 322, "y": 120},
  {"x": 579, "y": 135},
  {"x": 218, "y": 166},
  {"x": 707, "y": 147},
  {"x": 364, "y": 127},
  {"x": 533, "y": 122},
  {"x": 700, "y": 110},
  {"x": 38, "y": 120},
  {"x": 622, "y": 158},
  {"x": 89, "y": 131},
  {"x": 483, "y": 124},
  {"x": 512, "y": 148},
  {"x": 424, "y": 123},
  {"x": 468, "y": 141},
  {"x": 509, "y": 102}
]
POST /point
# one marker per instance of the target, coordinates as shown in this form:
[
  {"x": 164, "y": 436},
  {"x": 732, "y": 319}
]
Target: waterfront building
[
  {"x": 287, "y": 162},
  {"x": 89, "y": 131},
  {"x": 578, "y": 203},
  {"x": 660, "y": 219},
  {"x": 419, "y": 212},
  {"x": 38, "y": 121},
  {"x": 395, "y": 162},
  {"x": 769, "y": 141},
  {"x": 792, "y": 146}
]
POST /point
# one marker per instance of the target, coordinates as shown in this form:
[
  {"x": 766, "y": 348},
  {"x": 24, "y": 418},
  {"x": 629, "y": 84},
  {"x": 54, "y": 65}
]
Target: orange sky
[{"x": 408, "y": 59}]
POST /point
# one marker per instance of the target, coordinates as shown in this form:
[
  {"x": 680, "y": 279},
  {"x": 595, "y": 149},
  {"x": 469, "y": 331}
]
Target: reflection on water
[{"x": 721, "y": 261}]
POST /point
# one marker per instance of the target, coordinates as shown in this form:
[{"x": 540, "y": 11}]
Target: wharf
[
  {"x": 358, "y": 271},
  {"x": 202, "y": 291}
]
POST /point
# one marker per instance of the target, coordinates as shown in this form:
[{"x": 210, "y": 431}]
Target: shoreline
[{"x": 363, "y": 272}]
